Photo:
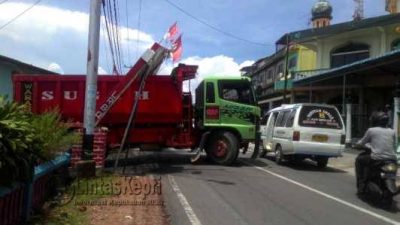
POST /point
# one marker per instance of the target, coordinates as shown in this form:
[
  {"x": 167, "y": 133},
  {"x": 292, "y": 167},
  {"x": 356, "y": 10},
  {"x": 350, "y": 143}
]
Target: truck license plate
[{"x": 319, "y": 138}]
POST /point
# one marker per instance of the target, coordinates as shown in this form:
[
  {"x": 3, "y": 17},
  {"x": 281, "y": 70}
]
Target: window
[
  {"x": 290, "y": 120},
  {"x": 200, "y": 95},
  {"x": 278, "y": 120},
  {"x": 279, "y": 71},
  {"x": 282, "y": 117},
  {"x": 348, "y": 54},
  {"x": 236, "y": 91},
  {"x": 396, "y": 44},
  {"x": 210, "y": 97},
  {"x": 320, "y": 117},
  {"x": 293, "y": 62},
  {"x": 271, "y": 75}
]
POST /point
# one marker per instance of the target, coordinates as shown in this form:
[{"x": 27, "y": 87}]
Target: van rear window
[{"x": 319, "y": 116}]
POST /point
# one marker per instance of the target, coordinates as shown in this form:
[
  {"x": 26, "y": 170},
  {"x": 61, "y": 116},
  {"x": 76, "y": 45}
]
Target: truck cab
[{"x": 226, "y": 108}]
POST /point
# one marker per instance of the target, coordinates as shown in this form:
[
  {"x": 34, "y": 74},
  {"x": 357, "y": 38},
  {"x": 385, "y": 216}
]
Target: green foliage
[
  {"x": 52, "y": 133},
  {"x": 26, "y": 138}
]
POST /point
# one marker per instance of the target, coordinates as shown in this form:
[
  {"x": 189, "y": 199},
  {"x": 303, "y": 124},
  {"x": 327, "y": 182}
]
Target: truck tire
[{"x": 223, "y": 148}]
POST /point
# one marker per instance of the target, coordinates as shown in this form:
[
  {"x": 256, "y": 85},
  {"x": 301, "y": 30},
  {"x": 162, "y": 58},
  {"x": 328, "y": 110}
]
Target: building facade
[
  {"x": 8, "y": 67},
  {"x": 337, "y": 53}
]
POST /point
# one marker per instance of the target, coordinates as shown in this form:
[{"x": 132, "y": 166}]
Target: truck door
[
  {"x": 212, "y": 111},
  {"x": 237, "y": 105},
  {"x": 281, "y": 133}
]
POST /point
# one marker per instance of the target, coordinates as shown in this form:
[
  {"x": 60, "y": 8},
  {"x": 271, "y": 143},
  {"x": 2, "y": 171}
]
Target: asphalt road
[{"x": 261, "y": 192}]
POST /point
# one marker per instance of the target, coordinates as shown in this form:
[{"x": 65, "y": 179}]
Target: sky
[{"x": 53, "y": 34}]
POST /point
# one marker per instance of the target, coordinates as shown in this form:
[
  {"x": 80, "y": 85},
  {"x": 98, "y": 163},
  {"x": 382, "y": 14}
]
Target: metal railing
[{"x": 17, "y": 202}]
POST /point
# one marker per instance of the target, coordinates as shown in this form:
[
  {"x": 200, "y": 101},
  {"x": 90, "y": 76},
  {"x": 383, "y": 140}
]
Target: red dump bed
[
  {"x": 160, "y": 112},
  {"x": 160, "y": 102}
]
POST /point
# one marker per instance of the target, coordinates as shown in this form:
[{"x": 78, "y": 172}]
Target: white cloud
[
  {"x": 102, "y": 71},
  {"x": 47, "y": 34},
  {"x": 41, "y": 22},
  {"x": 246, "y": 63},
  {"x": 220, "y": 65},
  {"x": 216, "y": 65},
  {"x": 55, "y": 68}
]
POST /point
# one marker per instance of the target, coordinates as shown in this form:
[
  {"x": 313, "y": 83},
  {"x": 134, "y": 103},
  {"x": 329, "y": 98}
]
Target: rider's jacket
[{"x": 381, "y": 141}]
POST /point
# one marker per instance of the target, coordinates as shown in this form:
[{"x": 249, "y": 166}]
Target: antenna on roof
[{"x": 359, "y": 10}]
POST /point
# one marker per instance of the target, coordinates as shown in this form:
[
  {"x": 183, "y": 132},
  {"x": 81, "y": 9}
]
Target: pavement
[
  {"x": 260, "y": 191},
  {"x": 346, "y": 162}
]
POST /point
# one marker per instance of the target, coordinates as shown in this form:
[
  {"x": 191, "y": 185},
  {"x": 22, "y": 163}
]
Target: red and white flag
[
  {"x": 172, "y": 32},
  {"x": 177, "y": 49}
]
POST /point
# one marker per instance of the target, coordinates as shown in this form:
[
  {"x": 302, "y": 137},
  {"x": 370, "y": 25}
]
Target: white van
[{"x": 298, "y": 131}]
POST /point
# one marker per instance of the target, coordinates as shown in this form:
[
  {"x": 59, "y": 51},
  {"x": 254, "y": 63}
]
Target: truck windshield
[
  {"x": 237, "y": 91},
  {"x": 320, "y": 116}
]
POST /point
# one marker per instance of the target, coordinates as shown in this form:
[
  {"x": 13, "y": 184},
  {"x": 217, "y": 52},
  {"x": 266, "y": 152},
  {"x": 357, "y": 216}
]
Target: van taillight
[
  {"x": 343, "y": 139},
  {"x": 296, "y": 135}
]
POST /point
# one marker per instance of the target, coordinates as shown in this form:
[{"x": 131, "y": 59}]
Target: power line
[
  {"x": 216, "y": 28},
  {"x": 111, "y": 16},
  {"x": 22, "y": 13},
  {"x": 109, "y": 35},
  {"x": 118, "y": 38},
  {"x": 105, "y": 46},
  {"x": 127, "y": 29},
  {"x": 138, "y": 28}
]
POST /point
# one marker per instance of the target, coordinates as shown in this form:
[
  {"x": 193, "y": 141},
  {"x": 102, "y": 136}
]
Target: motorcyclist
[{"x": 381, "y": 141}]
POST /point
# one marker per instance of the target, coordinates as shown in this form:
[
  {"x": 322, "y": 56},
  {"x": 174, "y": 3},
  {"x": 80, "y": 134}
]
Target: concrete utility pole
[
  {"x": 88, "y": 166},
  {"x": 286, "y": 69}
]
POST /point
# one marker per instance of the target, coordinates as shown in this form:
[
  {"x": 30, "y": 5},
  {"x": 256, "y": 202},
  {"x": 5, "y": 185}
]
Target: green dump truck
[{"x": 227, "y": 116}]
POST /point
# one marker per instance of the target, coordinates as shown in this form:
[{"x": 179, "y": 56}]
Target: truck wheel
[
  {"x": 224, "y": 148},
  {"x": 322, "y": 162},
  {"x": 279, "y": 155}
]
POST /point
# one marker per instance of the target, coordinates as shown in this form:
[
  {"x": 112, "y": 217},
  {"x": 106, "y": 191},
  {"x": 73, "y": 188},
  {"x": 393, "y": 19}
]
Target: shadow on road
[
  {"x": 221, "y": 182},
  {"x": 393, "y": 208},
  {"x": 312, "y": 167},
  {"x": 308, "y": 165}
]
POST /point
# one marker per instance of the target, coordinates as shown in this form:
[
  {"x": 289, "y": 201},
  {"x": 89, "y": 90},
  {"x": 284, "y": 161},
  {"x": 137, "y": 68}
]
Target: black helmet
[{"x": 379, "y": 119}]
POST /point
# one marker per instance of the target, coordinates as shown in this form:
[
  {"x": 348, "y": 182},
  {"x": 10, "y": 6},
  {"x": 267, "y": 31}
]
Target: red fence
[
  {"x": 11, "y": 206},
  {"x": 17, "y": 202}
]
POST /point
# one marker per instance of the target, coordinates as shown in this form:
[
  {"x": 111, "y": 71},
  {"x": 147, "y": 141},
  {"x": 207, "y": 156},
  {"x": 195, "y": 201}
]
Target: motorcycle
[{"x": 380, "y": 186}]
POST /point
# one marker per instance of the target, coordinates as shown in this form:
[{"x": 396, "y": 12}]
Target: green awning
[
  {"x": 280, "y": 85},
  {"x": 388, "y": 63}
]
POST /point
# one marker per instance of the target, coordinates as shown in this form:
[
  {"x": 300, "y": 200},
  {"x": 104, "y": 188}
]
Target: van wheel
[
  {"x": 279, "y": 155},
  {"x": 322, "y": 162},
  {"x": 223, "y": 148}
]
